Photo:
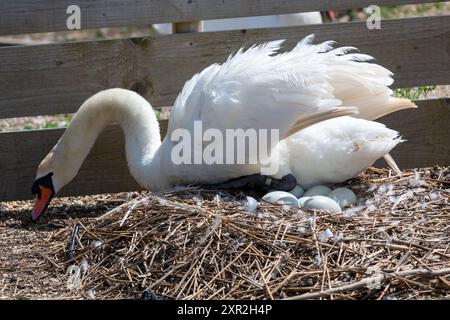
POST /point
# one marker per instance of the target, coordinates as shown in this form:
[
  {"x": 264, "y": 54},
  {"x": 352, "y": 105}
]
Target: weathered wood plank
[
  {"x": 24, "y": 16},
  {"x": 426, "y": 129},
  {"x": 57, "y": 78}
]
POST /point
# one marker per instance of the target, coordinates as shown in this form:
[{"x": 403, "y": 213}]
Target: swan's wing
[
  {"x": 356, "y": 82},
  {"x": 260, "y": 88}
]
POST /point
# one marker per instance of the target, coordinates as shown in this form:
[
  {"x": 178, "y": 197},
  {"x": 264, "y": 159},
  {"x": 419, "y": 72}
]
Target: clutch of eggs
[{"x": 319, "y": 197}]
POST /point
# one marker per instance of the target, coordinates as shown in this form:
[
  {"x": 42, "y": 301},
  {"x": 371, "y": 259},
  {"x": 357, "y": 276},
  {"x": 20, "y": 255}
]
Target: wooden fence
[{"x": 57, "y": 78}]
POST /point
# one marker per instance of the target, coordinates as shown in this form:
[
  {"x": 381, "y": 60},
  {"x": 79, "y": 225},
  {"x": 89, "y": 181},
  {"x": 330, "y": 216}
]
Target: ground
[{"x": 24, "y": 246}]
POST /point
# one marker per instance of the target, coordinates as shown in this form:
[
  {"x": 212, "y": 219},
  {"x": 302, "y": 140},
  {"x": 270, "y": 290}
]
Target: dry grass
[{"x": 202, "y": 245}]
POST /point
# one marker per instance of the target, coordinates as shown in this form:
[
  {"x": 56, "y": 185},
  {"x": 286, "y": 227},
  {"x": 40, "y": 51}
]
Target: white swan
[
  {"x": 256, "y": 89},
  {"x": 282, "y": 20}
]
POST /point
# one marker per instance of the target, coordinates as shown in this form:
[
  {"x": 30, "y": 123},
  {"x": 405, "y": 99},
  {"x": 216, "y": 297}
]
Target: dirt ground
[{"x": 25, "y": 269}]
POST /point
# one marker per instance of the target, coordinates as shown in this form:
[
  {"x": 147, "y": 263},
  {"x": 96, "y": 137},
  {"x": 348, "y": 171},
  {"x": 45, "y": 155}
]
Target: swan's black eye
[
  {"x": 35, "y": 187},
  {"x": 45, "y": 181}
]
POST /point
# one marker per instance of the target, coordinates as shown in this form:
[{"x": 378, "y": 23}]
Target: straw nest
[{"x": 395, "y": 244}]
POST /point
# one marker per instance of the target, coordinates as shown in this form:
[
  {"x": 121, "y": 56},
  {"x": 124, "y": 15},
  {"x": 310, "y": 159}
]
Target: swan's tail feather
[
  {"x": 391, "y": 163},
  {"x": 310, "y": 119},
  {"x": 354, "y": 79},
  {"x": 392, "y": 105}
]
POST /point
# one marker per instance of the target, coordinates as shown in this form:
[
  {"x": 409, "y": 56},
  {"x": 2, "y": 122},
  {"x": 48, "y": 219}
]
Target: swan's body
[
  {"x": 334, "y": 150},
  {"x": 254, "y": 89},
  {"x": 283, "y": 20}
]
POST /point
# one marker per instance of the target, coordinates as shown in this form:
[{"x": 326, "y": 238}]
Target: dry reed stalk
[{"x": 197, "y": 244}]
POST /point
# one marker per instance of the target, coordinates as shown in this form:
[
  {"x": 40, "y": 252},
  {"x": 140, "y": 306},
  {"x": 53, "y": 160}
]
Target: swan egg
[
  {"x": 281, "y": 197},
  {"x": 302, "y": 200},
  {"x": 343, "y": 196},
  {"x": 322, "y": 203},
  {"x": 297, "y": 191},
  {"x": 318, "y": 190},
  {"x": 250, "y": 205}
]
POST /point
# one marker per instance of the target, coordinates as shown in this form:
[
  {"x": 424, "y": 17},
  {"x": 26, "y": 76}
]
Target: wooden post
[{"x": 186, "y": 27}]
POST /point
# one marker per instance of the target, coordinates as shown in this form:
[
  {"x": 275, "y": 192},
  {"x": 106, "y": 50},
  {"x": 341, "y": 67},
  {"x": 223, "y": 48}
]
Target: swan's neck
[{"x": 138, "y": 121}]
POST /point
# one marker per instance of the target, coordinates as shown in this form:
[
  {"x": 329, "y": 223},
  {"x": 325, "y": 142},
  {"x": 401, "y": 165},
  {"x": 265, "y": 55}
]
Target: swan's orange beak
[
  {"x": 41, "y": 202},
  {"x": 44, "y": 191}
]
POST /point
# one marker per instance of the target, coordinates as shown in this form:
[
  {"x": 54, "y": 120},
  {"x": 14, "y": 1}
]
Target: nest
[{"x": 205, "y": 245}]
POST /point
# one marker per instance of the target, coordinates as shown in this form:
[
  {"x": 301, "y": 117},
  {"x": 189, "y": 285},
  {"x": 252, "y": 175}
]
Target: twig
[
  {"x": 73, "y": 238},
  {"x": 366, "y": 282}
]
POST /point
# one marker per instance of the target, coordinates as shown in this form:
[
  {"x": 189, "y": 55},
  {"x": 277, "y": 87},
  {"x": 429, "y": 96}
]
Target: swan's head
[
  {"x": 53, "y": 173},
  {"x": 44, "y": 191}
]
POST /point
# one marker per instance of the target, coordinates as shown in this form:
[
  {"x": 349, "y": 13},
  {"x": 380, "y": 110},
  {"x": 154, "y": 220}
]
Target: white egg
[
  {"x": 343, "y": 196},
  {"x": 302, "y": 200},
  {"x": 297, "y": 191},
  {"x": 250, "y": 205},
  {"x": 281, "y": 197},
  {"x": 322, "y": 203},
  {"x": 318, "y": 190}
]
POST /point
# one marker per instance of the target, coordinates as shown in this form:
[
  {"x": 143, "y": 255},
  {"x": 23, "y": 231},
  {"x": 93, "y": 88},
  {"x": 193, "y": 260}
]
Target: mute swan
[
  {"x": 282, "y": 20},
  {"x": 257, "y": 88}
]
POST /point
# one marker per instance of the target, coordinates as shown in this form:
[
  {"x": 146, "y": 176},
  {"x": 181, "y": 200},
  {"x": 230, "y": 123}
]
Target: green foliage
[
  {"x": 413, "y": 93},
  {"x": 50, "y": 125},
  {"x": 393, "y": 12},
  {"x": 390, "y": 12},
  {"x": 158, "y": 114},
  {"x": 67, "y": 118},
  {"x": 424, "y": 7},
  {"x": 99, "y": 34}
]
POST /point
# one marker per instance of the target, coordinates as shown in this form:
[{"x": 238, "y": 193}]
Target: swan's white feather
[
  {"x": 257, "y": 88},
  {"x": 335, "y": 150},
  {"x": 354, "y": 79},
  {"x": 263, "y": 88}
]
